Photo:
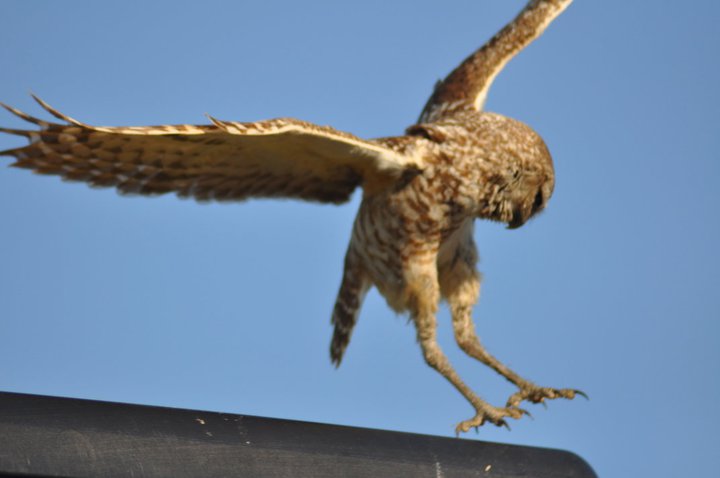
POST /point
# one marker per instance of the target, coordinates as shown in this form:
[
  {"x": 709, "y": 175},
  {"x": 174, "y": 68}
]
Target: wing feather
[
  {"x": 467, "y": 85},
  {"x": 223, "y": 161}
]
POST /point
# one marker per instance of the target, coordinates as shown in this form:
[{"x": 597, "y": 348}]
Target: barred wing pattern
[
  {"x": 413, "y": 234},
  {"x": 224, "y": 161},
  {"x": 467, "y": 85}
]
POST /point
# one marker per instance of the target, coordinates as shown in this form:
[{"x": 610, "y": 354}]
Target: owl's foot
[
  {"x": 488, "y": 413},
  {"x": 533, "y": 393}
]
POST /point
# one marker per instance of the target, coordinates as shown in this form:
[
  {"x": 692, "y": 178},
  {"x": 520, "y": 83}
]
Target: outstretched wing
[
  {"x": 468, "y": 85},
  {"x": 224, "y": 161}
]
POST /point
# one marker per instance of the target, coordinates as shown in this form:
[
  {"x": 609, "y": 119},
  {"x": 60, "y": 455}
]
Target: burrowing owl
[{"x": 413, "y": 235}]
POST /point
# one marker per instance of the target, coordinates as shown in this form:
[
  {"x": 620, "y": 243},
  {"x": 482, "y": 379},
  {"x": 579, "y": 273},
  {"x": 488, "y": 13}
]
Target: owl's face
[
  {"x": 504, "y": 167},
  {"x": 529, "y": 200},
  {"x": 521, "y": 171}
]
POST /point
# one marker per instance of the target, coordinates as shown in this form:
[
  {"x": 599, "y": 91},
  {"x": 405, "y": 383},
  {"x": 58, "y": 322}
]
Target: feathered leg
[
  {"x": 423, "y": 297},
  {"x": 461, "y": 287}
]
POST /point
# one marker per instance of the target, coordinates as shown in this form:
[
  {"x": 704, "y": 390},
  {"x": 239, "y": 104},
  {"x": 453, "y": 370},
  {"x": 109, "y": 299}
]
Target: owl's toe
[{"x": 535, "y": 394}]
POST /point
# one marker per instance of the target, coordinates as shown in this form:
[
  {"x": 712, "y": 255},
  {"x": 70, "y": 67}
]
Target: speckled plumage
[{"x": 413, "y": 235}]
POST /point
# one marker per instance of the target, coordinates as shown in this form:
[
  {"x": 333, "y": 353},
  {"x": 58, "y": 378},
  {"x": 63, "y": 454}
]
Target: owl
[{"x": 412, "y": 238}]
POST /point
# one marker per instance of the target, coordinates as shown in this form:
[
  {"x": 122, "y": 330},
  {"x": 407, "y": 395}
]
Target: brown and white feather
[
  {"x": 224, "y": 161},
  {"x": 412, "y": 236},
  {"x": 467, "y": 85}
]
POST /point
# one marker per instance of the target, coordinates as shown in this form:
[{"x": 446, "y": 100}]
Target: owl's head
[
  {"x": 520, "y": 170},
  {"x": 504, "y": 169}
]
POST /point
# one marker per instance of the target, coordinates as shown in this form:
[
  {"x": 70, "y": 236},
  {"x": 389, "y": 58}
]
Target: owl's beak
[
  {"x": 522, "y": 214},
  {"x": 515, "y": 224},
  {"x": 519, "y": 218}
]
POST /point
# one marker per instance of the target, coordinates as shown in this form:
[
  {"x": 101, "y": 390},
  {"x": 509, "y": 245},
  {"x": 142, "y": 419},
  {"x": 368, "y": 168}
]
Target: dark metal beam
[{"x": 50, "y": 436}]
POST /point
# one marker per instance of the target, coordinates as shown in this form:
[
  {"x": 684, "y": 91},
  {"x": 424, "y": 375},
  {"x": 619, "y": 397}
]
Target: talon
[
  {"x": 540, "y": 395},
  {"x": 486, "y": 413}
]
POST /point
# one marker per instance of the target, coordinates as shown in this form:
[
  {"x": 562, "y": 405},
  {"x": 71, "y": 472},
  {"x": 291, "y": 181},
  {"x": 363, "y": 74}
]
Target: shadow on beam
[{"x": 50, "y": 436}]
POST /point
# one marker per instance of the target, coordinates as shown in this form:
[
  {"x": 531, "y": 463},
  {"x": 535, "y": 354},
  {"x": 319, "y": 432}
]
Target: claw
[
  {"x": 521, "y": 411},
  {"x": 582, "y": 394},
  {"x": 487, "y": 413},
  {"x": 540, "y": 395}
]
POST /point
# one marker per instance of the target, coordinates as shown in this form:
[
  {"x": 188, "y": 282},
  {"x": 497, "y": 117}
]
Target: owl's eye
[{"x": 538, "y": 203}]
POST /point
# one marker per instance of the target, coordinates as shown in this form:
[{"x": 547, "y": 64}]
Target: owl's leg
[
  {"x": 461, "y": 287},
  {"x": 353, "y": 288},
  {"x": 423, "y": 297}
]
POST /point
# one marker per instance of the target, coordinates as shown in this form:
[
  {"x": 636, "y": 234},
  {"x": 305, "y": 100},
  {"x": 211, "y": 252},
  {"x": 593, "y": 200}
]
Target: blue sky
[{"x": 613, "y": 290}]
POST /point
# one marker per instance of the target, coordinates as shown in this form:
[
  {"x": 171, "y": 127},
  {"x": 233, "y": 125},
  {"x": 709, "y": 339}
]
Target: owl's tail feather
[{"x": 353, "y": 288}]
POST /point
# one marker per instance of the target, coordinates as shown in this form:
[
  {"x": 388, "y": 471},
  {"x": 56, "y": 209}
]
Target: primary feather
[{"x": 224, "y": 161}]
